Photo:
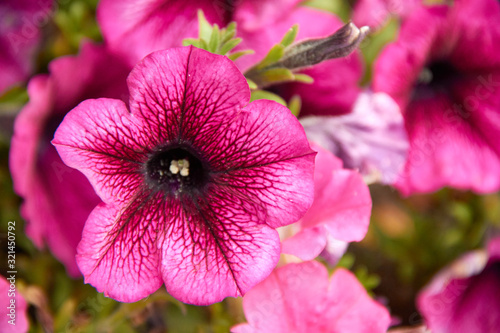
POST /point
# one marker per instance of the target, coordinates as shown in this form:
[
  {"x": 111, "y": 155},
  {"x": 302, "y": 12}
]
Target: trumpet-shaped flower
[
  {"x": 444, "y": 72},
  {"x": 20, "y": 37},
  {"x": 194, "y": 181},
  {"x": 57, "y": 198},
  {"x": 465, "y": 297}
]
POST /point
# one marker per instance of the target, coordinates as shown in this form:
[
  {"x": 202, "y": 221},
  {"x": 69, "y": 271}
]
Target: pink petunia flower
[
  {"x": 299, "y": 298},
  {"x": 371, "y": 139},
  {"x": 58, "y": 199},
  {"x": 194, "y": 181},
  {"x": 135, "y": 28},
  {"x": 20, "y": 25},
  {"x": 12, "y": 308},
  {"x": 465, "y": 297},
  {"x": 375, "y": 13},
  {"x": 340, "y": 211},
  {"x": 444, "y": 72}
]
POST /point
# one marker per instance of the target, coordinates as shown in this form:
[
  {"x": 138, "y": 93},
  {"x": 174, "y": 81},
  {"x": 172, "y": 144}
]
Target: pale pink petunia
[
  {"x": 20, "y": 35},
  {"x": 301, "y": 298},
  {"x": 194, "y": 181},
  {"x": 340, "y": 211},
  {"x": 372, "y": 139},
  {"x": 465, "y": 297},
  {"x": 13, "y": 307},
  {"x": 58, "y": 199},
  {"x": 444, "y": 72}
]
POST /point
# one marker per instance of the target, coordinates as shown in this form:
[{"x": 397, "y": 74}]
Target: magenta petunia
[
  {"x": 465, "y": 297},
  {"x": 13, "y": 308},
  {"x": 444, "y": 71},
  {"x": 20, "y": 36},
  {"x": 300, "y": 298},
  {"x": 340, "y": 211},
  {"x": 136, "y": 28},
  {"x": 194, "y": 181},
  {"x": 375, "y": 13},
  {"x": 58, "y": 199}
]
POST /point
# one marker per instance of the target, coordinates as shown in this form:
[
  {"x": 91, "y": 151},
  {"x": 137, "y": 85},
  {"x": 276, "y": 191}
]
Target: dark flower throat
[{"x": 175, "y": 170}]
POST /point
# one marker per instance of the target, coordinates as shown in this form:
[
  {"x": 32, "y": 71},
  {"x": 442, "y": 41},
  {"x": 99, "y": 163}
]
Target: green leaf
[
  {"x": 229, "y": 32},
  {"x": 236, "y": 55},
  {"x": 191, "y": 41},
  {"x": 273, "y": 56},
  {"x": 290, "y": 36},
  {"x": 213, "y": 44},
  {"x": 303, "y": 78},
  {"x": 204, "y": 27},
  {"x": 262, "y": 94},
  {"x": 229, "y": 45}
]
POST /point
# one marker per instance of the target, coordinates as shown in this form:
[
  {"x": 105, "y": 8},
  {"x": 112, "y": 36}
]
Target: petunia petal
[
  {"x": 399, "y": 65},
  {"x": 465, "y": 296},
  {"x": 12, "y": 312},
  {"x": 118, "y": 253},
  {"x": 186, "y": 93},
  {"x": 472, "y": 26},
  {"x": 136, "y": 28},
  {"x": 106, "y": 143},
  {"x": 350, "y": 309},
  {"x": 274, "y": 168},
  {"x": 447, "y": 150},
  {"x": 342, "y": 202},
  {"x": 307, "y": 244},
  {"x": 289, "y": 300},
  {"x": 371, "y": 139},
  {"x": 215, "y": 246}
]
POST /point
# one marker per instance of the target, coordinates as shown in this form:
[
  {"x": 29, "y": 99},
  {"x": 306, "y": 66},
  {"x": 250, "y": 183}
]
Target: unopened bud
[{"x": 313, "y": 51}]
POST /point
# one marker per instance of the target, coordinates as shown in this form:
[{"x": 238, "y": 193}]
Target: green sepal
[
  {"x": 205, "y": 28},
  {"x": 276, "y": 75},
  {"x": 229, "y": 45},
  {"x": 229, "y": 33},
  {"x": 216, "y": 40},
  {"x": 290, "y": 36},
  {"x": 272, "y": 56},
  {"x": 213, "y": 44},
  {"x": 295, "y": 104},
  {"x": 251, "y": 84},
  {"x": 263, "y": 94},
  {"x": 304, "y": 78},
  {"x": 235, "y": 55}
]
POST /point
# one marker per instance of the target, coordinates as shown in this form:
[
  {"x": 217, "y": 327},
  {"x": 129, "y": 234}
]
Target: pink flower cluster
[{"x": 143, "y": 163}]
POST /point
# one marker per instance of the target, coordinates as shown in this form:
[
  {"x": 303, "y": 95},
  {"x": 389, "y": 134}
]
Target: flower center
[
  {"x": 437, "y": 77},
  {"x": 175, "y": 170}
]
